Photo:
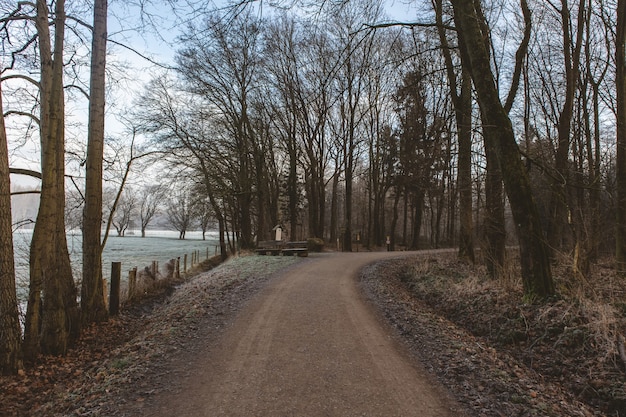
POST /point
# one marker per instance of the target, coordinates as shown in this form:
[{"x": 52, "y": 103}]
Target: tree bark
[
  {"x": 620, "y": 59},
  {"x": 93, "y": 307},
  {"x": 534, "y": 256},
  {"x": 11, "y": 340}
]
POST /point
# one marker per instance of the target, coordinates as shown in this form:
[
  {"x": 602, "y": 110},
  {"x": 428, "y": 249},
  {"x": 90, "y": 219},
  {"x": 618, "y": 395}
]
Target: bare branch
[
  {"x": 22, "y": 77},
  {"x": 26, "y": 192},
  {"x": 79, "y": 88},
  {"x": 520, "y": 55},
  {"x": 147, "y": 58},
  {"x": 21, "y": 113},
  {"x": 375, "y": 26},
  {"x": 23, "y": 171}
]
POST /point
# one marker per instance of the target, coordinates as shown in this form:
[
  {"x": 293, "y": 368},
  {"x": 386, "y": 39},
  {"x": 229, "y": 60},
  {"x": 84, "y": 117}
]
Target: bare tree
[
  {"x": 180, "y": 211},
  {"x": 535, "y": 262},
  {"x": 220, "y": 64},
  {"x": 461, "y": 94},
  {"x": 184, "y": 140},
  {"x": 124, "y": 211},
  {"x": 150, "y": 199}
]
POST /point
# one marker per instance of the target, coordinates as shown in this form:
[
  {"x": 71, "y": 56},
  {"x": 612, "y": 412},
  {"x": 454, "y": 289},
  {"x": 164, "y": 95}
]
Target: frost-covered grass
[
  {"x": 250, "y": 266},
  {"x": 131, "y": 250}
]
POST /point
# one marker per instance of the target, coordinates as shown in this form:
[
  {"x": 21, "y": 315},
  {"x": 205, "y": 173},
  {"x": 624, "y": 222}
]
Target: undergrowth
[{"x": 573, "y": 339}]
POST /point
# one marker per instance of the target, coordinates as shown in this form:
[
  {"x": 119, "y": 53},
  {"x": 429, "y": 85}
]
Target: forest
[{"x": 472, "y": 124}]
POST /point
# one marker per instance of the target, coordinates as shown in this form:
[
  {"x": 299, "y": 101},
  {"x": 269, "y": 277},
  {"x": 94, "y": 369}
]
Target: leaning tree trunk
[
  {"x": 93, "y": 308},
  {"x": 11, "y": 340},
  {"x": 534, "y": 255}
]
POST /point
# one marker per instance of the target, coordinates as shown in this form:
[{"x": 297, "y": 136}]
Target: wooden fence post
[
  {"x": 114, "y": 296},
  {"x": 178, "y": 268},
  {"x": 185, "y": 264},
  {"x": 154, "y": 269},
  {"x": 105, "y": 292},
  {"x": 132, "y": 282}
]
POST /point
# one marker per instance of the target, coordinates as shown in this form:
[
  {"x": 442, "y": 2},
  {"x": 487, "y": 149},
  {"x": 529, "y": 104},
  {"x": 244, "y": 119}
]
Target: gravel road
[{"x": 308, "y": 345}]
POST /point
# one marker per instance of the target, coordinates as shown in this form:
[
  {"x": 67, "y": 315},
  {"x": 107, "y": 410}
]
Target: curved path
[{"x": 309, "y": 345}]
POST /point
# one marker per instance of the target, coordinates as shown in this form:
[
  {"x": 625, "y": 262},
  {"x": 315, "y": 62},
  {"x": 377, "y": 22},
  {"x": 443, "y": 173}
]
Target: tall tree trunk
[
  {"x": 405, "y": 216},
  {"x": 620, "y": 59},
  {"x": 334, "y": 209},
  {"x": 560, "y": 204},
  {"x": 92, "y": 304},
  {"x": 534, "y": 255},
  {"x": 347, "y": 234},
  {"x": 10, "y": 331},
  {"x": 394, "y": 220},
  {"x": 418, "y": 211},
  {"x": 495, "y": 234},
  {"x": 292, "y": 189},
  {"x": 464, "y": 176},
  {"x": 462, "y": 102},
  {"x": 52, "y": 328}
]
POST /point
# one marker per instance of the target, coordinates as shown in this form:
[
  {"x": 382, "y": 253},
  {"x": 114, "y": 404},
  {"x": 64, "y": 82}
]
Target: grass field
[{"x": 131, "y": 250}]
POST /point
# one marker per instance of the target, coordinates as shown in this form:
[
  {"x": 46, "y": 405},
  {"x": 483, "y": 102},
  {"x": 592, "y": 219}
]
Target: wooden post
[
  {"x": 105, "y": 292},
  {"x": 185, "y": 264},
  {"x": 207, "y": 253},
  {"x": 178, "y": 268},
  {"x": 114, "y": 297},
  {"x": 132, "y": 282}
]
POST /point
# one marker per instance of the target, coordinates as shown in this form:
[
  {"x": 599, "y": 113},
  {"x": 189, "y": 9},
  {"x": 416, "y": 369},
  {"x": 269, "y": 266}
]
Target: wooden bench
[
  {"x": 296, "y": 248},
  {"x": 269, "y": 247},
  {"x": 278, "y": 247}
]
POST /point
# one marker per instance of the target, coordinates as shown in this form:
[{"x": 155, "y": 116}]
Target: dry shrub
[{"x": 572, "y": 339}]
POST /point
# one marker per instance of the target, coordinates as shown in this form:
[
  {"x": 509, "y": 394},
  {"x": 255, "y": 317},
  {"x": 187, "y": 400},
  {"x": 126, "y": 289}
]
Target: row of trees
[
  {"x": 478, "y": 102},
  {"x": 340, "y": 125},
  {"x": 181, "y": 210}
]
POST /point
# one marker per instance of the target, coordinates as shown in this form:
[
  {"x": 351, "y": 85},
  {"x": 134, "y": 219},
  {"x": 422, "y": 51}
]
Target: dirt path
[{"x": 308, "y": 345}]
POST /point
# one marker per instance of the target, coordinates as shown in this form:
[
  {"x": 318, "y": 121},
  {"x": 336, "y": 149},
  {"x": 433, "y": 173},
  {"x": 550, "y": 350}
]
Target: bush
[{"x": 315, "y": 244}]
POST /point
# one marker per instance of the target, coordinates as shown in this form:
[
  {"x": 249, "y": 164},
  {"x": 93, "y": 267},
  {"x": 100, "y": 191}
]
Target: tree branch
[
  {"x": 152, "y": 61},
  {"x": 21, "y": 113},
  {"x": 26, "y": 192},
  {"x": 79, "y": 88},
  {"x": 375, "y": 26},
  {"x": 21, "y": 76},
  {"x": 23, "y": 171},
  {"x": 519, "y": 56}
]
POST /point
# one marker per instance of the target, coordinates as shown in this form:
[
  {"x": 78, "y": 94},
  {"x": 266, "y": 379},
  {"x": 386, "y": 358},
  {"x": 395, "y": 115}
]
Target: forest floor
[{"x": 497, "y": 355}]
